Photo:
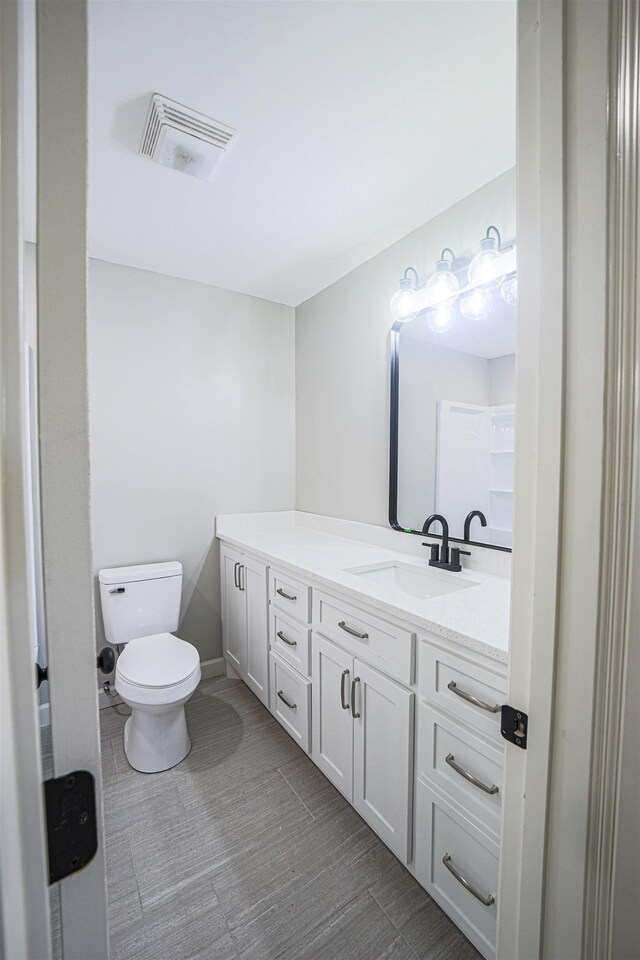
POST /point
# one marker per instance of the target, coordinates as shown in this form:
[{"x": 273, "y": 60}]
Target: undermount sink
[{"x": 405, "y": 579}]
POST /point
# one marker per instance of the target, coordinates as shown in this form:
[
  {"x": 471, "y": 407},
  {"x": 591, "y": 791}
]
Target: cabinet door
[
  {"x": 234, "y": 612},
  {"x": 331, "y": 723},
  {"x": 253, "y": 581},
  {"x": 383, "y": 757}
]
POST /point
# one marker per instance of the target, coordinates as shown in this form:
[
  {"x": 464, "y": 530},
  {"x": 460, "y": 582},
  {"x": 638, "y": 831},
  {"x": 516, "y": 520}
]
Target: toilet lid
[{"x": 159, "y": 660}]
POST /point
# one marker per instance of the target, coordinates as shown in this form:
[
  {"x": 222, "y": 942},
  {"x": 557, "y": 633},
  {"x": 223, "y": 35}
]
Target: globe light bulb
[
  {"x": 443, "y": 286},
  {"x": 403, "y": 302},
  {"x": 476, "y": 305},
  {"x": 441, "y": 318},
  {"x": 486, "y": 269},
  {"x": 509, "y": 290}
]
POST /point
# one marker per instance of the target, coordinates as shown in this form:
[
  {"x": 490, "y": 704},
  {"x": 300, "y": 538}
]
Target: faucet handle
[
  {"x": 456, "y": 553},
  {"x": 435, "y": 551}
]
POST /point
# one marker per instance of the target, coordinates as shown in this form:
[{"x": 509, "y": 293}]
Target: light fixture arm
[
  {"x": 497, "y": 235},
  {"x": 414, "y": 272}
]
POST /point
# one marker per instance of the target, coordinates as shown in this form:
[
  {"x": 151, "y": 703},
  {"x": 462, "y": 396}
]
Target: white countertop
[{"x": 476, "y": 617}]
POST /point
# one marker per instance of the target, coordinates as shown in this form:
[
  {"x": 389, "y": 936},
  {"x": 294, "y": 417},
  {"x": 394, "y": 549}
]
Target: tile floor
[{"x": 245, "y": 851}]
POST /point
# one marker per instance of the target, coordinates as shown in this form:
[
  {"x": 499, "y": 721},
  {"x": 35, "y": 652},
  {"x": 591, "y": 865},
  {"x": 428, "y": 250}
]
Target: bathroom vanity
[{"x": 390, "y": 675}]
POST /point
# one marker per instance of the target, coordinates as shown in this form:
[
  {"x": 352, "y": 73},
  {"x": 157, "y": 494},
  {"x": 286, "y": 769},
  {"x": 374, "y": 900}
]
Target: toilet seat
[
  {"x": 157, "y": 661},
  {"x": 157, "y": 670}
]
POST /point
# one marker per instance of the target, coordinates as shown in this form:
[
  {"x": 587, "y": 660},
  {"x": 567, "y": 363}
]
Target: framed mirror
[{"x": 453, "y": 410}]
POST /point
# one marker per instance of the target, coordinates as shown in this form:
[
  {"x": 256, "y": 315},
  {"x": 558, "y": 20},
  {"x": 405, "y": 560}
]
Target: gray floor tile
[
  {"x": 191, "y": 926},
  {"x": 109, "y": 769},
  {"x": 358, "y": 931},
  {"x": 139, "y": 806},
  {"x": 170, "y": 863},
  {"x": 245, "y": 850},
  {"x": 272, "y": 902},
  {"x": 113, "y": 719},
  {"x": 420, "y": 921},
  {"x": 256, "y": 815},
  {"x": 124, "y": 906},
  {"x": 316, "y": 792}
]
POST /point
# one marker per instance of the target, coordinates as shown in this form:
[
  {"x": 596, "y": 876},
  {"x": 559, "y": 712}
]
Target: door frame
[
  {"x": 62, "y": 265},
  {"x": 24, "y": 899},
  {"x": 620, "y": 521},
  {"x": 538, "y": 470}
]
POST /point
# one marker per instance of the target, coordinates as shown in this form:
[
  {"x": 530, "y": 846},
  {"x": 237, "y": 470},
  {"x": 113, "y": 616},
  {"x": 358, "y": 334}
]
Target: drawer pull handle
[
  {"x": 354, "y": 713},
  {"x": 290, "y": 643},
  {"x": 292, "y": 706},
  {"x": 451, "y": 760},
  {"x": 453, "y": 686},
  {"x": 345, "y": 706},
  {"x": 487, "y": 901},
  {"x": 287, "y": 596},
  {"x": 241, "y": 577},
  {"x": 235, "y": 574},
  {"x": 354, "y": 633}
]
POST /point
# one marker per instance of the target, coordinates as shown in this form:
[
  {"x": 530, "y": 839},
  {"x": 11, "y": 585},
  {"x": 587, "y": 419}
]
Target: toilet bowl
[
  {"x": 155, "y": 676},
  {"x": 157, "y": 672}
]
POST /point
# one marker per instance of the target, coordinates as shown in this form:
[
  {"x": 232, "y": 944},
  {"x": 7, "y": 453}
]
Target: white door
[
  {"x": 331, "y": 722},
  {"x": 383, "y": 756},
  {"x": 234, "y": 613},
  {"x": 254, "y": 583},
  {"x": 66, "y": 546}
]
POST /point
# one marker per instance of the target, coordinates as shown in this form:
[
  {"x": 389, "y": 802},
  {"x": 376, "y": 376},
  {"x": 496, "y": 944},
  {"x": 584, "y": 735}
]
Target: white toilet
[{"x": 157, "y": 672}]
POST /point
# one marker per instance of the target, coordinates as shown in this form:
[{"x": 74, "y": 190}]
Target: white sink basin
[{"x": 402, "y": 578}]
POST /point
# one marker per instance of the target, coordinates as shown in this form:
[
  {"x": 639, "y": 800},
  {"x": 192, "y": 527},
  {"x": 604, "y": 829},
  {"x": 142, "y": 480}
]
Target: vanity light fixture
[
  {"x": 485, "y": 270},
  {"x": 459, "y": 287},
  {"x": 403, "y": 302},
  {"x": 443, "y": 286},
  {"x": 476, "y": 304},
  {"x": 441, "y": 317},
  {"x": 509, "y": 289}
]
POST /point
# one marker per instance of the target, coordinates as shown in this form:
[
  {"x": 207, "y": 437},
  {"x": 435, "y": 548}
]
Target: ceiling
[{"x": 358, "y": 122}]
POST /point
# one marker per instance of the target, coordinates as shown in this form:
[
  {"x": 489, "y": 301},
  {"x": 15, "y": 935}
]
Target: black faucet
[
  {"x": 467, "y": 524},
  {"x": 440, "y": 555}
]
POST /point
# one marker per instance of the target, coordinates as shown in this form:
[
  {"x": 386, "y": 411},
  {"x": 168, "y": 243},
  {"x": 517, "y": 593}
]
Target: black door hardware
[
  {"x": 72, "y": 835},
  {"x": 41, "y": 675},
  {"x": 513, "y": 726}
]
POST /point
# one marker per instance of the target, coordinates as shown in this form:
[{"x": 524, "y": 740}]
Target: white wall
[
  {"x": 502, "y": 378},
  {"x": 191, "y": 415},
  {"x": 342, "y": 361}
]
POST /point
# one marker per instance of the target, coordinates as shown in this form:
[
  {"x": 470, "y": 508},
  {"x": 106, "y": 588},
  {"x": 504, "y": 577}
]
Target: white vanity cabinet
[
  {"x": 244, "y": 619},
  {"x": 405, "y": 724},
  {"x": 458, "y": 791},
  {"x": 362, "y": 740}
]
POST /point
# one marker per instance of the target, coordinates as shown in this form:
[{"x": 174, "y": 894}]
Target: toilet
[{"x": 157, "y": 672}]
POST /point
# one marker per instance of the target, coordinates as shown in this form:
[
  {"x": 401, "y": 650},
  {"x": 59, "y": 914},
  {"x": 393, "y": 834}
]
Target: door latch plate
[
  {"x": 513, "y": 726},
  {"x": 72, "y": 835}
]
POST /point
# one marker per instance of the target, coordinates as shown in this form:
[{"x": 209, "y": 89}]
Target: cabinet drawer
[
  {"x": 478, "y": 767},
  {"x": 388, "y": 648},
  {"x": 291, "y": 640},
  {"x": 290, "y": 700},
  {"x": 445, "y": 842},
  {"x": 290, "y": 595},
  {"x": 449, "y": 682}
]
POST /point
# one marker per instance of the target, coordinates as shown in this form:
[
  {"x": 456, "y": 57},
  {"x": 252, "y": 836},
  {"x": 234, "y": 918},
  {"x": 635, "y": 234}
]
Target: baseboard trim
[
  {"x": 208, "y": 668},
  {"x": 212, "y": 668}
]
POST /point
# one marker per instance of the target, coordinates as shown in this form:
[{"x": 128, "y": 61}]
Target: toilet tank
[{"x": 139, "y": 601}]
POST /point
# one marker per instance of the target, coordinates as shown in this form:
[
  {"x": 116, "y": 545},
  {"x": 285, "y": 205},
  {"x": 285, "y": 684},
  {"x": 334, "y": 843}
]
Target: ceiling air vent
[{"x": 186, "y": 140}]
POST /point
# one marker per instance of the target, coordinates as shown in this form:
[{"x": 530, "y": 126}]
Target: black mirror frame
[{"x": 393, "y": 449}]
